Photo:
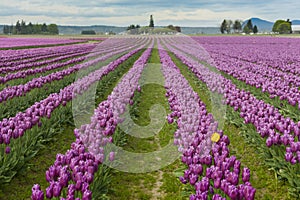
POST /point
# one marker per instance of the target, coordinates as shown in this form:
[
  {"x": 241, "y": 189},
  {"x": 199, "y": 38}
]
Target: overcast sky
[{"x": 125, "y": 12}]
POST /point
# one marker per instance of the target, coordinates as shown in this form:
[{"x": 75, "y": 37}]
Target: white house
[{"x": 296, "y": 28}]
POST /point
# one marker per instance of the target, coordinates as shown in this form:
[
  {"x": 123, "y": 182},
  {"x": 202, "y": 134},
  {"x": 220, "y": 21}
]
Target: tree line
[
  {"x": 280, "y": 26},
  {"x": 228, "y": 25},
  {"x": 23, "y": 28},
  {"x": 137, "y": 29}
]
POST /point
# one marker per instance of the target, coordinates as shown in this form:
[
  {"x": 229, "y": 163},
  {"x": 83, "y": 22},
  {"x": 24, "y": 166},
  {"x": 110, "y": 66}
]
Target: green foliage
[
  {"x": 248, "y": 28},
  {"x": 52, "y": 28},
  {"x": 18, "y": 27},
  {"x": 44, "y": 28},
  {"x": 22, "y": 28},
  {"x": 223, "y": 26},
  {"x": 174, "y": 28},
  {"x": 237, "y": 26},
  {"x": 276, "y": 25},
  {"x": 282, "y": 27},
  {"x": 249, "y": 24},
  {"x": 226, "y": 26},
  {"x": 132, "y": 29},
  {"x": 255, "y": 29}
]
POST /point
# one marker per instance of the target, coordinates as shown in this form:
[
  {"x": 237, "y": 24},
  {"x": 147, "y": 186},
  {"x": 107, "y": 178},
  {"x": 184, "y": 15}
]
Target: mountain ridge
[{"x": 262, "y": 25}]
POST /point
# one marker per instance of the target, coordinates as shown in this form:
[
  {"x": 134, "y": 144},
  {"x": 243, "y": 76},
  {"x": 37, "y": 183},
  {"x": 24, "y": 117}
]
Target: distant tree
[
  {"x": 37, "y": 29},
  {"x": 282, "y": 27},
  {"x": 30, "y": 28},
  {"x": 237, "y": 26},
  {"x": 137, "y": 26},
  {"x": 177, "y": 28},
  {"x": 170, "y": 27},
  {"x": 250, "y": 25},
  {"x": 255, "y": 29},
  {"x": 5, "y": 29},
  {"x": 53, "y": 29},
  {"x": 23, "y": 27},
  {"x": 248, "y": 28},
  {"x": 151, "y": 24},
  {"x": 132, "y": 29},
  {"x": 44, "y": 28},
  {"x": 174, "y": 28},
  {"x": 18, "y": 27},
  {"x": 276, "y": 25},
  {"x": 223, "y": 26}
]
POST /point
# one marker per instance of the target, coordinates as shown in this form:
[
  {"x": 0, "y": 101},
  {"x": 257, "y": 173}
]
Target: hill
[
  {"x": 295, "y": 22},
  {"x": 262, "y": 25}
]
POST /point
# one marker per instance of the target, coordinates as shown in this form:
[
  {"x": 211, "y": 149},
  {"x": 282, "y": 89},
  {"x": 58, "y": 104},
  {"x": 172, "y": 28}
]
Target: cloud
[{"x": 124, "y": 12}]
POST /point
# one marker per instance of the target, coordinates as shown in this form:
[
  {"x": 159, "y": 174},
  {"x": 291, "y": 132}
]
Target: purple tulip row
[
  {"x": 21, "y": 42},
  {"x": 269, "y": 123},
  {"x": 15, "y": 127},
  {"x": 20, "y": 90},
  {"x": 279, "y": 53},
  {"x": 195, "y": 128},
  {"x": 75, "y": 170},
  {"x": 33, "y": 64},
  {"x": 90, "y": 38},
  {"x": 29, "y": 60},
  {"x": 23, "y": 74},
  {"x": 271, "y": 80},
  {"x": 11, "y": 58}
]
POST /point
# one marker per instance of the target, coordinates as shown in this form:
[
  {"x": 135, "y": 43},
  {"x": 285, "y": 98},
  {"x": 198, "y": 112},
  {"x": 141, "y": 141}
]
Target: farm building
[{"x": 296, "y": 28}]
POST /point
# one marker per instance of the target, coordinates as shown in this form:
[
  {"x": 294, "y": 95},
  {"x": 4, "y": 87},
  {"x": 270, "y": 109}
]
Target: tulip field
[{"x": 78, "y": 118}]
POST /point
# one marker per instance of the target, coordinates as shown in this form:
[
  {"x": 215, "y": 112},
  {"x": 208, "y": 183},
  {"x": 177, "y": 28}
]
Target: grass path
[{"x": 162, "y": 183}]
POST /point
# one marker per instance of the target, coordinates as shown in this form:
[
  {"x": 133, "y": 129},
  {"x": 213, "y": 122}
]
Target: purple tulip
[
  {"x": 37, "y": 193},
  {"x": 183, "y": 180},
  {"x": 246, "y": 175},
  {"x": 87, "y": 195},
  {"x": 7, "y": 150},
  {"x": 49, "y": 192}
]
